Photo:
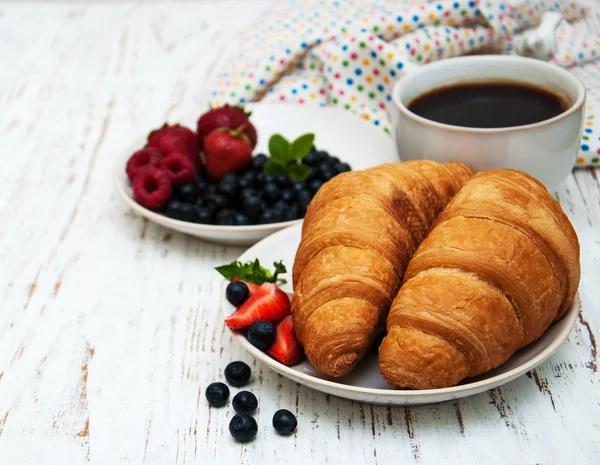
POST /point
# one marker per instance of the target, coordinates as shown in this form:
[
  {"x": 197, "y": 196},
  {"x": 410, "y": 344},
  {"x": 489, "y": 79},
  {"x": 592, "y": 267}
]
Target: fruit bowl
[{"x": 338, "y": 132}]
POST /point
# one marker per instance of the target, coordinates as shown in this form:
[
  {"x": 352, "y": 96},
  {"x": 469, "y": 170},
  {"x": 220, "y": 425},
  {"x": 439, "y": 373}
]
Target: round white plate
[
  {"x": 365, "y": 383},
  {"x": 339, "y": 132}
]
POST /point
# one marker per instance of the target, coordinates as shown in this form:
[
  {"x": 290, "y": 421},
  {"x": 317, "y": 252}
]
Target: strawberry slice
[
  {"x": 252, "y": 288},
  {"x": 286, "y": 348},
  {"x": 268, "y": 303}
]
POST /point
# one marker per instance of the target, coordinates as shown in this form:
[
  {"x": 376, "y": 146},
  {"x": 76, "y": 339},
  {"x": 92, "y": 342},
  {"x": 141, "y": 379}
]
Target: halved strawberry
[
  {"x": 268, "y": 303},
  {"x": 286, "y": 348},
  {"x": 252, "y": 288}
]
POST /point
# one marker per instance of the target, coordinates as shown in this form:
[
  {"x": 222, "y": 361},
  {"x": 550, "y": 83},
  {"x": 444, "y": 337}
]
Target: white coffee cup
[{"x": 546, "y": 150}]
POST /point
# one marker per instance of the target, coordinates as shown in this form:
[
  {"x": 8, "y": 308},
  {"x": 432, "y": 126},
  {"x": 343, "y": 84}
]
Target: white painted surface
[{"x": 110, "y": 327}]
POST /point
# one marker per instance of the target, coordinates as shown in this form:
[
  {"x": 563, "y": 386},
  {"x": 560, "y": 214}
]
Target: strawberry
[
  {"x": 226, "y": 117},
  {"x": 286, "y": 348},
  {"x": 148, "y": 156},
  {"x": 226, "y": 151},
  {"x": 268, "y": 303},
  {"x": 252, "y": 288},
  {"x": 176, "y": 138},
  {"x": 179, "y": 167}
]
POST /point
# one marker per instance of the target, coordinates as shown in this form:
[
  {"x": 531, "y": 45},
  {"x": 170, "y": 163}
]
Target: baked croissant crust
[
  {"x": 500, "y": 264},
  {"x": 358, "y": 235}
]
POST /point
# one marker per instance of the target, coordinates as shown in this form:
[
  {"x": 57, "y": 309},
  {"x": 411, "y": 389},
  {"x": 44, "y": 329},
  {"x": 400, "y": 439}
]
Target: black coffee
[{"x": 488, "y": 105}]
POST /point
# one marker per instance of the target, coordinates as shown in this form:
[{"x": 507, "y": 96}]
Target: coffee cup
[{"x": 545, "y": 149}]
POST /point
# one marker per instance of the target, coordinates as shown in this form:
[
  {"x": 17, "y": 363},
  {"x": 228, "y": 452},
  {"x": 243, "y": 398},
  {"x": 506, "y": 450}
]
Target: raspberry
[
  {"x": 148, "y": 156},
  {"x": 152, "y": 187},
  {"x": 179, "y": 167}
]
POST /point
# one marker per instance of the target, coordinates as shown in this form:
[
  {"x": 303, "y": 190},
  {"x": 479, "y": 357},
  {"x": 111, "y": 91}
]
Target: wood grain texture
[{"x": 109, "y": 326}]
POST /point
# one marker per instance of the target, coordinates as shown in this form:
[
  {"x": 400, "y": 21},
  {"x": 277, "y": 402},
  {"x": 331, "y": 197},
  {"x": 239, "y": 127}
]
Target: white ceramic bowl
[
  {"x": 339, "y": 132},
  {"x": 365, "y": 383}
]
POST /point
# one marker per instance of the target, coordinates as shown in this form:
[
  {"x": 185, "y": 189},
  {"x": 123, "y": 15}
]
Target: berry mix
[{"x": 211, "y": 177}]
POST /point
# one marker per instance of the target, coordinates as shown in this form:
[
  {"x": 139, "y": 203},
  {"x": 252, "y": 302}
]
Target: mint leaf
[
  {"x": 301, "y": 146},
  {"x": 279, "y": 148},
  {"x": 298, "y": 172},
  {"x": 252, "y": 272},
  {"x": 274, "y": 169}
]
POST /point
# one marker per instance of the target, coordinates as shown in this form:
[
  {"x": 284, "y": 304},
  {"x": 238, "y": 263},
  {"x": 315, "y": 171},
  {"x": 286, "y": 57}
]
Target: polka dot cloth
[{"x": 348, "y": 53}]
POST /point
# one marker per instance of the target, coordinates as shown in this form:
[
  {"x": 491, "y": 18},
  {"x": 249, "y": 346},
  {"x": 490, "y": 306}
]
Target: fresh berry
[
  {"x": 280, "y": 205},
  {"x": 261, "y": 334},
  {"x": 259, "y": 180},
  {"x": 327, "y": 175},
  {"x": 225, "y": 217},
  {"x": 176, "y": 138},
  {"x": 237, "y": 373},
  {"x": 268, "y": 303},
  {"x": 271, "y": 192},
  {"x": 342, "y": 167},
  {"x": 288, "y": 196},
  {"x": 315, "y": 185},
  {"x": 269, "y": 216},
  {"x": 187, "y": 212},
  {"x": 245, "y": 402},
  {"x": 204, "y": 215},
  {"x": 189, "y": 192},
  {"x": 227, "y": 188},
  {"x": 286, "y": 348},
  {"x": 237, "y": 292},
  {"x": 242, "y": 220},
  {"x": 179, "y": 167},
  {"x": 315, "y": 174},
  {"x": 216, "y": 202},
  {"x": 252, "y": 206},
  {"x": 152, "y": 188},
  {"x": 248, "y": 192},
  {"x": 243, "y": 427},
  {"x": 225, "y": 117},
  {"x": 292, "y": 213},
  {"x": 284, "y": 422},
  {"x": 226, "y": 152},
  {"x": 173, "y": 209},
  {"x": 312, "y": 159},
  {"x": 217, "y": 394},
  {"x": 252, "y": 288},
  {"x": 283, "y": 181},
  {"x": 142, "y": 158},
  {"x": 259, "y": 161}
]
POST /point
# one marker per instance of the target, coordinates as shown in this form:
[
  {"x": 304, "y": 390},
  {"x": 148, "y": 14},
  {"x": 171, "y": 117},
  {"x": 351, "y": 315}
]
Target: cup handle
[{"x": 540, "y": 43}]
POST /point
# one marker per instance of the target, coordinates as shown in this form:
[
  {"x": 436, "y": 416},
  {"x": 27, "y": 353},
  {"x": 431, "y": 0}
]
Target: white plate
[
  {"x": 365, "y": 383},
  {"x": 339, "y": 132}
]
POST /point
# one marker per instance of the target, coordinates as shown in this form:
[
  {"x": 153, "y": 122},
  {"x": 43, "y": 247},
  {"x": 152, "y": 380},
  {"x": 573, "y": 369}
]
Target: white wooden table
[{"x": 109, "y": 325}]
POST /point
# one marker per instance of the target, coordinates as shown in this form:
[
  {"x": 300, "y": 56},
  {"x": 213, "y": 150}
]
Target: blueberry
[
  {"x": 292, "y": 213},
  {"x": 326, "y": 166},
  {"x": 284, "y": 422},
  {"x": 280, "y": 205},
  {"x": 269, "y": 178},
  {"x": 200, "y": 202},
  {"x": 315, "y": 173},
  {"x": 246, "y": 181},
  {"x": 245, "y": 402},
  {"x": 217, "y": 394},
  {"x": 342, "y": 167},
  {"x": 259, "y": 180},
  {"x": 211, "y": 189},
  {"x": 188, "y": 192},
  {"x": 237, "y": 373},
  {"x": 271, "y": 193},
  {"x": 242, "y": 220},
  {"x": 187, "y": 212},
  {"x": 327, "y": 175},
  {"x": 248, "y": 192},
  {"x": 173, "y": 208},
  {"x": 298, "y": 186},
  {"x": 315, "y": 185},
  {"x": 216, "y": 202},
  {"x": 305, "y": 196},
  {"x": 225, "y": 217},
  {"x": 259, "y": 161},
  {"x": 261, "y": 334},
  {"x": 204, "y": 215},
  {"x": 230, "y": 177},
  {"x": 252, "y": 206},
  {"x": 236, "y": 293},
  {"x": 334, "y": 160},
  {"x": 227, "y": 188},
  {"x": 288, "y": 195},
  {"x": 312, "y": 159},
  {"x": 283, "y": 180},
  {"x": 269, "y": 216},
  {"x": 243, "y": 427}
]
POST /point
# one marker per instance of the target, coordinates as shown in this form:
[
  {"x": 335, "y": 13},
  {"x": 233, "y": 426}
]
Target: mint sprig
[
  {"x": 286, "y": 158},
  {"x": 253, "y": 272}
]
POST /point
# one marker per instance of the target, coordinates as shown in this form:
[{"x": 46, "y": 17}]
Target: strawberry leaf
[
  {"x": 301, "y": 146},
  {"x": 274, "y": 169},
  {"x": 279, "y": 148},
  {"x": 298, "y": 173},
  {"x": 252, "y": 272}
]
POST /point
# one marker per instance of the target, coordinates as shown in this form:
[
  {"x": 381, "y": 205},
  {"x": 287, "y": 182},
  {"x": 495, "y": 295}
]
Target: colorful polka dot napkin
[{"x": 349, "y": 53}]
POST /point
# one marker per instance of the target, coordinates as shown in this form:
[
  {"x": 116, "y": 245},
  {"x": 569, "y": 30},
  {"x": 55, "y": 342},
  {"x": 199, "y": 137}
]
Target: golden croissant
[
  {"x": 359, "y": 233},
  {"x": 500, "y": 264}
]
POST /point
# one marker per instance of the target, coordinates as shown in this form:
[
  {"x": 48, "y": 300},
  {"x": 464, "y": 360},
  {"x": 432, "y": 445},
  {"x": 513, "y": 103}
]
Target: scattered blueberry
[
  {"x": 245, "y": 402},
  {"x": 284, "y": 422},
  {"x": 236, "y": 293},
  {"x": 243, "y": 427},
  {"x": 237, "y": 373},
  {"x": 261, "y": 334},
  {"x": 217, "y": 394}
]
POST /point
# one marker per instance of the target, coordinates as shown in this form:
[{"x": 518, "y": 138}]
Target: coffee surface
[{"x": 488, "y": 105}]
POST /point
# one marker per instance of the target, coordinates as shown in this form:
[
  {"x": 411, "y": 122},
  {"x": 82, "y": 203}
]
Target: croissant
[
  {"x": 500, "y": 264},
  {"x": 358, "y": 235}
]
